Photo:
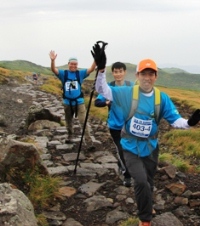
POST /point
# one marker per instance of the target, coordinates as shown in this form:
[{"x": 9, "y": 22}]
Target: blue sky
[{"x": 167, "y": 31}]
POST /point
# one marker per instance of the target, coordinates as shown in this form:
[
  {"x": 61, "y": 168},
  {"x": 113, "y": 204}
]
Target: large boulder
[
  {"x": 17, "y": 158},
  {"x": 37, "y": 112},
  {"x": 15, "y": 208}
]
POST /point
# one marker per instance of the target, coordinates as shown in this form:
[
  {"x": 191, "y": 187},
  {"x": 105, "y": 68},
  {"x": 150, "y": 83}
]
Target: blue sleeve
[
  {"x": 61, "y": 75},
  {"x": 100, "y": 101},
  {"x": 168, "y": 111},
  {"x": 83, "y": 74}
]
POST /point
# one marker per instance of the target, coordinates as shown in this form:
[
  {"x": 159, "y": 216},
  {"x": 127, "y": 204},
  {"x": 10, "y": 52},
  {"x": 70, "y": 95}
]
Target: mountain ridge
[{"x": 168, "y": 77}]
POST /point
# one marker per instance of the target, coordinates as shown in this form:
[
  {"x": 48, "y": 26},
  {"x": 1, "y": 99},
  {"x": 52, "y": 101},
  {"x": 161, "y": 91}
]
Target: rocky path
[{"x": 94, "y": 195}]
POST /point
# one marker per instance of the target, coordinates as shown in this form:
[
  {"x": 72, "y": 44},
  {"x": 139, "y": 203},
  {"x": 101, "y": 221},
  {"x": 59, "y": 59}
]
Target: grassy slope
[
  {"x": 173, "y": 70},
  {"x": 25, "y": 66}
]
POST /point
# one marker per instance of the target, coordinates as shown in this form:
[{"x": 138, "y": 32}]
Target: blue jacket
[{"x": 142, "y": 123}]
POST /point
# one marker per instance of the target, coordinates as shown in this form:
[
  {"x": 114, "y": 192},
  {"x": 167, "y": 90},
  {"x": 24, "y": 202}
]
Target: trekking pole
[
  {"x": 85, "y": 122},
  {"x": 88, "y": 109}
]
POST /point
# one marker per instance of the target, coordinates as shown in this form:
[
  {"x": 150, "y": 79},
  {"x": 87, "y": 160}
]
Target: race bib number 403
[{"x": 140, "y": 128}]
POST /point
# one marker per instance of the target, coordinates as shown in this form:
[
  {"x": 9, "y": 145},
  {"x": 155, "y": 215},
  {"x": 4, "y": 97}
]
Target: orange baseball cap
[{"x": 146, "y": 63}]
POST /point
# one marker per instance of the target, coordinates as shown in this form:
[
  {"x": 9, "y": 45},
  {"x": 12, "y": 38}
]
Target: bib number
[
  {"x": 72, "y": 85},
  {"x": 140, "y": 128}
]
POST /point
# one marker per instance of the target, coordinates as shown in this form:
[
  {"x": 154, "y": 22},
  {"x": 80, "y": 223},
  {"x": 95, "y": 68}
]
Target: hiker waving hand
[{"x": 73, "y": 100}]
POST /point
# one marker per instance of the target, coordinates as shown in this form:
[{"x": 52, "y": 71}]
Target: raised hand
[
  {"x": 52, "y": 55},
  {"x": 96, "y": 53},
  {"x": 99, "y": 55}
]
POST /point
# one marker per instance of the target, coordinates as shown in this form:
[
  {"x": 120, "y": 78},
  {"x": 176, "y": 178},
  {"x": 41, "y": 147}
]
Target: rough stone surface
[{"x": 15, "y": 207}]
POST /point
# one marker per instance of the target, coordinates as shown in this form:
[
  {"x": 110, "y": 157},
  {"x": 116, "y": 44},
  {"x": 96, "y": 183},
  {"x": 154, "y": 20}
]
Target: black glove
[
  {"x": 194, "y": 118},
  {"x": 102, "y": 61},
  {"x": 99, "y": 55},
  {"x": 96, "y": 53}
]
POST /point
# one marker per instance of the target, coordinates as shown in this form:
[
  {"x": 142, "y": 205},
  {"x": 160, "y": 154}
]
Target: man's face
[
  {"x": 118, "y": 74},
  {"x": 146, "y": 79},
  {"x": 73, "y": 65}
]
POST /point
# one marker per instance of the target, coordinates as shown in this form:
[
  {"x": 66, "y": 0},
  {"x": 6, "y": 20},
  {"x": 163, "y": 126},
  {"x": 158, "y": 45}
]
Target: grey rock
[
  {"x": 166, "y": 219},
  {"x": 15, "y": 208}
]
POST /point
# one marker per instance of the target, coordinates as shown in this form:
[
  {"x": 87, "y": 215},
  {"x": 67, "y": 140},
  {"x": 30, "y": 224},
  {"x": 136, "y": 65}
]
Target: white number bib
[
  {"x": 140, "y": 128},
  {"x": 73, "y": 85}
]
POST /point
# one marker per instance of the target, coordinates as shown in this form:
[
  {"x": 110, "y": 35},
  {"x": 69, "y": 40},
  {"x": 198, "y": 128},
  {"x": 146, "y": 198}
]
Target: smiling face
[
  {"x": 73, "y": 65},
  {"x": 146, "y": 79},
  {"x": 119, "y": 74}
]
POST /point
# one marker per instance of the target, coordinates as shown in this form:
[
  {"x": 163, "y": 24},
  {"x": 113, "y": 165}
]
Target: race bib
[
  {"x": 140, "y": 128},
  {"x": 71, "y": 85}
]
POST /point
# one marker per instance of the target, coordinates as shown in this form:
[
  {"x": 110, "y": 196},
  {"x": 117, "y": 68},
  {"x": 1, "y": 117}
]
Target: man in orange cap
[{"x": 139, "y": 134}]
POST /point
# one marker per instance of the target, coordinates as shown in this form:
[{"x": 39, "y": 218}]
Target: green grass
[
  {"x": 101, "y": 113},
  {"x": 42, "y": 189},
  {"x": 183, "y": 146},
  {"x": 42, "y": 221},
  {"x": 132, "y": 221},
  {"x": 184, "y": 142},
  {"x": 52, "y": 85}
]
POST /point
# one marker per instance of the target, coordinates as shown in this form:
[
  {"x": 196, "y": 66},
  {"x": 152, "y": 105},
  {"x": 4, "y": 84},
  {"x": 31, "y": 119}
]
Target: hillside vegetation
[
  {"x": 25, "y": 66},
  {"x": 167, "y": 77},
  {"x": 173, "y": 70}
]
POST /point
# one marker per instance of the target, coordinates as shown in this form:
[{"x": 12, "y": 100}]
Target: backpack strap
[
  {"x": 65, "y": 79},
  {"x": 134, "y": 106},
  {"x": 72, "y": 99},
  {"x": 135, "y": 102},
  {"x": 112, "y": 83},
  {"x": 66, "y": 76},
  {"x": 78, "y": 77},
  {"x": 157, "y": 104},
  {"x": 128, "y": 83}
]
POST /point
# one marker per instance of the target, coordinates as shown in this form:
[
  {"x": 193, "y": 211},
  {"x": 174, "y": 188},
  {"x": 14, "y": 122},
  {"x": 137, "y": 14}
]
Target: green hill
[
  {"x": 179, "y": 80},
  {"x": 25, "y": 66},
  {"x": 173, "y": 70},
  {"x": 167, "y": 77}
]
